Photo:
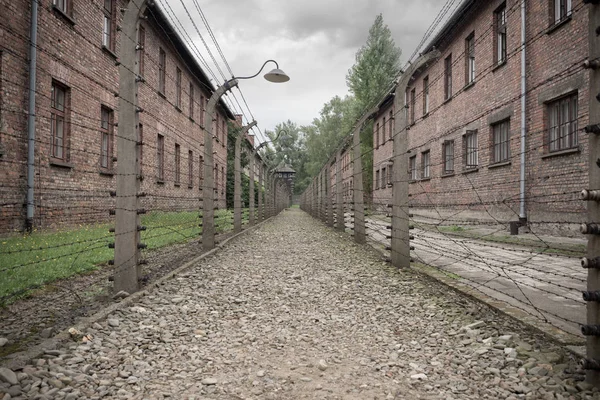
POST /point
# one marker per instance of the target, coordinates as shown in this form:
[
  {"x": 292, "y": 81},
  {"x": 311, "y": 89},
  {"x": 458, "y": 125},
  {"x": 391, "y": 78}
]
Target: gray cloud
[{"x": 314, "y": 41}]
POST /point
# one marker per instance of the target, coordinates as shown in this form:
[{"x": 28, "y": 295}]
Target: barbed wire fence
[
  {"x": 66, "y": 267},
  {"x": 456, "y": 225}
]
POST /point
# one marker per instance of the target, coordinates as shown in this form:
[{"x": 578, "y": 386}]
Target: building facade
[
  {"x": 464, "y": 118},
  {"x": 76, "y": 114}
]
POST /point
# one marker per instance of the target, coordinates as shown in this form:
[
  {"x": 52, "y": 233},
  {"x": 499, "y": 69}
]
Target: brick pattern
[
  {"x": 70, "y": 52},
  {"x": 493, "y": 190}
]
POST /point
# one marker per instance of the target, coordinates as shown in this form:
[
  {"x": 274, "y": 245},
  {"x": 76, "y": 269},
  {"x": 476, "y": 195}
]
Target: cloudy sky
[{"x": 314, "y": 42}]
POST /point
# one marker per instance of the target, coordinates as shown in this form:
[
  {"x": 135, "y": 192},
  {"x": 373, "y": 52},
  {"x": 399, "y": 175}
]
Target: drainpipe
[
  {"x": 31, "y": 117},
  {"x": 522, "y": 212}
]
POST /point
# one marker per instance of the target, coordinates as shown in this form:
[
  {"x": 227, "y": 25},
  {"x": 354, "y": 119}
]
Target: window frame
[
  {"x": 426, "y": 164},
  {"x": 413, "y": 100},
  {"x": 448, "y": 151},
  {"x": 470, "y": 59},
  {"x": 67, "y": 6},
  {"x": 383, "y": 130},
  {"x": 563, "y": 140},
  {"x": 383, "y": 177},
  {"x": 500, "y": 35},
  {"x": 500, "y": 149},
  {"x": 160, "y": 158},
  {"x": 106, "y": 154},
  {"x": 377, "y": 136},
  {"x": 190, "y": 169},
  {"x": 412, "y": 168},
  {"x": 56, "y": 114},
  {"x": 561, "y": 11},
  {"x": 391, "y": 125},
  {"x": 108, "y": 32},
  {"x": 178, "y": 79},
  {"x": 177, "y": 177},
  {"x": 377, "y": 176},
  {"x": 202, "y": 105},
  {"x": 426, "y": 95},
  {"x": 191, "y": 100},
  {"x": 448, "y": 77},
  {"x": 471, "y": 153},
  {"x": 162, "y": 70}
]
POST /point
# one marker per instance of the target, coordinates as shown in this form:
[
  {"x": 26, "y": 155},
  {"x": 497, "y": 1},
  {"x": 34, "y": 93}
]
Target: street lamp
[{"x": 208, "y": 213}]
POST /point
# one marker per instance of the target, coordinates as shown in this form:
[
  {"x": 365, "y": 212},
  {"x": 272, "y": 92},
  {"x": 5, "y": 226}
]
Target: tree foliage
[{"x": 377, "y": 65}]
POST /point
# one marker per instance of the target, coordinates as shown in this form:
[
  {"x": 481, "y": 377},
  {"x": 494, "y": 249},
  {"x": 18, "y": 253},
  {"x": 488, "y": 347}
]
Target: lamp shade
[{"x": 276, "y": 75}]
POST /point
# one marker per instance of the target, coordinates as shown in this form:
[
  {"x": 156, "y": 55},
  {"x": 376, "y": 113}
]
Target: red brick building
[
  {"x": 76, "y": 115},
  {"x": 464, "y": 117}
]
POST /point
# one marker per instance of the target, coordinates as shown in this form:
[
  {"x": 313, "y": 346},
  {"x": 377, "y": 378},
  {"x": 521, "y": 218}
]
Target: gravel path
[{"x": 295, "y": 310}]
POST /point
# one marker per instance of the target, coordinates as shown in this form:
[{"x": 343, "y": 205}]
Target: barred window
[
  {"x": 108, "y": 29},
  {"x": 59, "y": 109},
  {"x": 471, "y": 149},
  {"x": 425, "y": 165},
  {"x": 448, "y": 77},
  {"x": 470, "y": 58},
  {"x": 177, "y": 163},
  {"x": 500, "y": 34},
  {"x": 106, "y": 137},
  {"x": 426, "y": 95},
  {"x": 562, "y": 10},
  {"x": 160, "y": 157},
  {"x": 562, "y": 123},
  {"x": 448, "y": 156},
  {"x": 162, "y": 70},
  {"x": 501, "y": 142},
  {"x": 412, "y": 166}
]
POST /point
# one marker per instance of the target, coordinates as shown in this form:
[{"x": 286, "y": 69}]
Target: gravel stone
[
  {"x": 8, "y": 376},
  {"x": 255, "y": 306}
]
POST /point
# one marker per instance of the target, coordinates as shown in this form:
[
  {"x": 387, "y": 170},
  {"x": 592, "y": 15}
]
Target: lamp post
[{"x": 208, "y": 213}]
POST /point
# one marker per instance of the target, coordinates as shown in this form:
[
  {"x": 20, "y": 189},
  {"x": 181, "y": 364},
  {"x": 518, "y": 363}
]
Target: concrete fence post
[
  {"x": 127, "y": 221},
  {"x": 328, "y": 199},
  {"x": 237, "y": 180},
  {"x": 592, "y": 294},
  {"x": 252, "y": 198},
  {"x": 400, "y": 214},
  {"x": 339, "y": 192}
]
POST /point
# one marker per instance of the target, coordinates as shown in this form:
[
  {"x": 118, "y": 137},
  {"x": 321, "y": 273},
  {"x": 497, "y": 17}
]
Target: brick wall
[
  {"x": 70, "y": 53},
  {"x": 490, "y": 190}
]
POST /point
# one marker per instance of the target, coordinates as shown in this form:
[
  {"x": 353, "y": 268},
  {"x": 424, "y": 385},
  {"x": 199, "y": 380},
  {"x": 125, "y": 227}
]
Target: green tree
[
  {"x": 370, "y": 78},
  {"x": 377, "y": 66}
]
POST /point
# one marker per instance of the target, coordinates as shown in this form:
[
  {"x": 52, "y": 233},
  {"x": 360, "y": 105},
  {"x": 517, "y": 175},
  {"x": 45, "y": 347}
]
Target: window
[
  {"x": 200, "y": 172},
  {"x": 177, "y": 163},
  {"x": 426, "y": 95},
  {"x": 224, "y": 131},
  {"x": 190, "y": 168},
  {"x": 562, "y": 123},
  {"x": 377, "y": 174},
  {"x": 191, "y": 100},
  {"x": 383, "y": 178},
  {"x": 223, "y": 180},
  {"x": 383, "y": 131},
  {"x": 391, "y": 125},
  {"x": 448, "y": 156},
  {"x": 500, "y": 142},
  {"x": 108, "y": 35},
  {"x": 390, "y": 171},
  {"x": 178, "y": 88},
  {"x": 377, "y": 136},
  {"x": 448, "y": 77},
  {"x": 470, "y": 58},
  {"x": 425, "y": 165},
  {"x": 141, "y": 50},
  {"x": 106, "y": 137},
  {"x": 562, "y": 10},
  {"x": 216, "y": 187},
  {"x": 63, "y": 5},
  {"x": 59, "y": 121},
  {"x": 500, "y": 34},
  {"x": 413, "y": 97},
  {"x": 140, "y": 148},
  {"x": 160, "y": 158},
  {"x": 412, "y": 167},
  {"x": 202, "y": 101},
  {"x": 470, "y": 146},
  {"x": 162, "y": 67}
]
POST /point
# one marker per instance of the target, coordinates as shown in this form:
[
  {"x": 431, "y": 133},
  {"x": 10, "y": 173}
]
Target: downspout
[
  {"x": 522, "y": 212},
  {"x": 31, "y": 117}
]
